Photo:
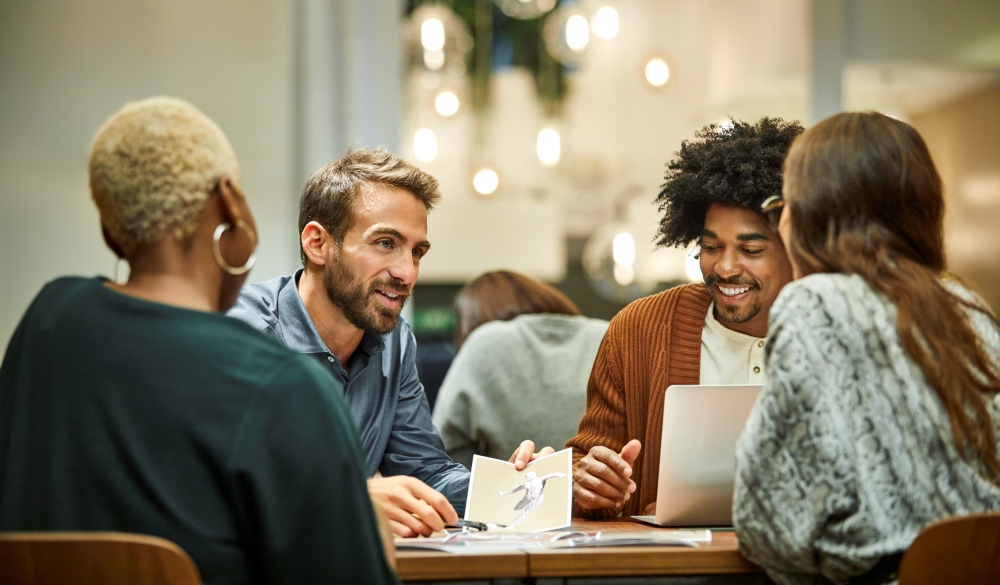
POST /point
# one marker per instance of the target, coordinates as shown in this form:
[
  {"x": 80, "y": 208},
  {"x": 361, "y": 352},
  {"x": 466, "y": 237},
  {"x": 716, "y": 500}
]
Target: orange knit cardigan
[{"x": 652, "y": 343}]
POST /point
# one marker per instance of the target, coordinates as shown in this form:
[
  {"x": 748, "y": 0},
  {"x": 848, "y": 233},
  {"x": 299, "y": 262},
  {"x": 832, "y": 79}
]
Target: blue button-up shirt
[{"x": 386, "y": 399}]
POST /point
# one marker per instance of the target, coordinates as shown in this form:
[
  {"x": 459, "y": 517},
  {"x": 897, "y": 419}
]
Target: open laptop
[{"x": 701, "y": 425}]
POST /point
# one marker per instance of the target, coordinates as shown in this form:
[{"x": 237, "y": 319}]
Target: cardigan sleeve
[
  {"x": 794, "y": 477},
  {"x": 604, "y": 421}
]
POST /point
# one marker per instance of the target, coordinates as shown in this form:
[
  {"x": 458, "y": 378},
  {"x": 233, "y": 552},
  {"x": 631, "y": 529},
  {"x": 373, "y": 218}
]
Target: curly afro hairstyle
[{"x": 738, "y": 165}]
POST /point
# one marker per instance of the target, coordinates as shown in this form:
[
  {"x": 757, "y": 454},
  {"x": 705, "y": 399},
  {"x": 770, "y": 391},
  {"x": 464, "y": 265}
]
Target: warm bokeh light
[
  {"x": 577, "y": 32},
  {"x": 486, "y": 181},
  {"x": 425, "y": 145},
  {"x": 657, "y": 72},
  {"x": 446, "y": 103},
  {"x": 624, "y": 275},
  {"x": 549, "y": 147},
  {"x": 432, "y": 34},
  {"x": 606, "y": 23},
  {"x": 434, "y": 60},
  {"x": 623, "y": 249}
]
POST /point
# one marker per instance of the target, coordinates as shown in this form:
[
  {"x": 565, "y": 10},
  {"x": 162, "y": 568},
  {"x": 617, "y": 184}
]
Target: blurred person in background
[
  {"x": 139, "y": 407},
  {"x": 362, "y": 235},
  {"x": 880, "y": 414},
  {"x": 705, "y": 333},
  {"x": 524, "y": 357}
]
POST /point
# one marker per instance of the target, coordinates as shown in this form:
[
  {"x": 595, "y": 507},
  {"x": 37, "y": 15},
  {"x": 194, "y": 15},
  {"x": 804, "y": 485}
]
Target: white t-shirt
[{"x": 730, "y": 357}]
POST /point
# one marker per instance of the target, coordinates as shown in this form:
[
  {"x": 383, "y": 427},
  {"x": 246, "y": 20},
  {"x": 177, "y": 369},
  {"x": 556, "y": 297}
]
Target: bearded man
[
  {"x": 706, "y": 333},
  {"x": 363, "y": 232}
]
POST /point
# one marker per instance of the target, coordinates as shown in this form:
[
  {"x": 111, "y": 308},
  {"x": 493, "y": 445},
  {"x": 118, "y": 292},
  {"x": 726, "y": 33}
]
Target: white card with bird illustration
[{"x": 537, "y": 498}]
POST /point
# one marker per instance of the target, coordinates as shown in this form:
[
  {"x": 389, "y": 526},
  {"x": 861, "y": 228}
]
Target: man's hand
[
  {"x": 525, "y": 454},
  {"x": 411, "y": 506},
  {"x": 603, "y": 478}
]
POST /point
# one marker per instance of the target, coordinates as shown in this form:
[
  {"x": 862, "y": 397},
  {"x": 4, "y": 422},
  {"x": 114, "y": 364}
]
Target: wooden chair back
[
  {"x": 963, "y": 551},
  {"x": 93, "y": 558}
]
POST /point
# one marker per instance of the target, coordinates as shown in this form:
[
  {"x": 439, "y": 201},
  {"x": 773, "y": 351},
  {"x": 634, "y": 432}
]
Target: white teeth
[
  {"x": 731, "y": 292},
  {"x": 389, "y": 294}
]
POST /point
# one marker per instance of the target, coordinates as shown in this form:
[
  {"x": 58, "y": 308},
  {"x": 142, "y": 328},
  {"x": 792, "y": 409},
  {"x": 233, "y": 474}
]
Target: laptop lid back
[{"x": 701, "y": 425}]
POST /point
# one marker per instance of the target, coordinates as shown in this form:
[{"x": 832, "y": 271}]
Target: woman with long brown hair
[{"x": 880, "y": 415}]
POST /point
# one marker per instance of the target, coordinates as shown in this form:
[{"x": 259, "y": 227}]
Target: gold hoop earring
[{"x": 234, "y": 270}]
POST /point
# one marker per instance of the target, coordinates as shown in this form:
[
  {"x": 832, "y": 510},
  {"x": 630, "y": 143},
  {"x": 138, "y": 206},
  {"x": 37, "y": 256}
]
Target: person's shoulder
[
  {"x": 257, "y": 304},
  {"x": 821, "y": 300},
  {"x": 692, "y": 299}
]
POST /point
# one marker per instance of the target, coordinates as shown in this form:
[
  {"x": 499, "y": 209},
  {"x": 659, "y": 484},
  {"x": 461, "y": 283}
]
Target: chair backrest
[
  {"x": 962, "y": 550},
  {"x": 93, "y": 558}
]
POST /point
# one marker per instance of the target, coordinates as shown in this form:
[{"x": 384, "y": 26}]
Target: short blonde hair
[{"x": 152, "y": 166}]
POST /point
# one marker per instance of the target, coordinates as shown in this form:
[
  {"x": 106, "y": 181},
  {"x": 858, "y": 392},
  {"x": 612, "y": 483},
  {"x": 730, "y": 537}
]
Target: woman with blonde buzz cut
[{"x": 140, "y": 407}]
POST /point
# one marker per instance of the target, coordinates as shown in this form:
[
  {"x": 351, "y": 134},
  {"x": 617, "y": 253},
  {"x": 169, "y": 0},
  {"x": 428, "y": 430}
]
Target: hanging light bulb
[
  {"x": 425, "y": 145},
  {"x": 446, "y": 103},
  {"x": 549, "y": 147},
  {"x": 577, "y": 32},
  {"x": 432, "y": 34},
  {"x": 657, "y": 72},
  {"x": 486, "y": 181},
  {"x": 434, "y": 60},
  {"x": 605, "y": 23},
  {"x": 623, "y": 249}
]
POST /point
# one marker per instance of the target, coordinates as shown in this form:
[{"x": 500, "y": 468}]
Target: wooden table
[{"x": 719, "y": 557}]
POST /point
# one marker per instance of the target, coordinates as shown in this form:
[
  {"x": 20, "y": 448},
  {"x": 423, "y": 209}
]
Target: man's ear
[
  {"x": 110, "y": 242},
  {"x": 316, "y": 242}
]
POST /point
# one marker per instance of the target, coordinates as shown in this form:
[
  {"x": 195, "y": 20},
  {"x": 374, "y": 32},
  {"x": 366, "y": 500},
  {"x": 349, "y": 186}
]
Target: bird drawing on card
[{"x": 532, "y": 487}]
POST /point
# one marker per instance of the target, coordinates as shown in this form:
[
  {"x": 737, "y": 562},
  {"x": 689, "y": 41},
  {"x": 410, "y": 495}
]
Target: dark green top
[{"x": 118, "y": 414}]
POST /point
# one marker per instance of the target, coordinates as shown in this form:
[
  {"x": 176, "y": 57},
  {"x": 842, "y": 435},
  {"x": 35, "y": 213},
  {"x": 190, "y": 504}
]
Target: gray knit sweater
[
  {"x": 514, "y": 380},
  {"x": 848, "y": 452}
]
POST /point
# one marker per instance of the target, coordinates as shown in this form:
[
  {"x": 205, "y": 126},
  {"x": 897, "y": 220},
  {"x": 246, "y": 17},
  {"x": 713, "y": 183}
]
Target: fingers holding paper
[
  {"x": 525, "y": 454},
  {"x": 603, "y": 478},
  {"x": 411, "y": 506}
]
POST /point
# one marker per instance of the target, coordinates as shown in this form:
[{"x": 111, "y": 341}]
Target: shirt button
[
  {"x": 329, "y": 358},
  {"x": 760, "y": 344},
  {"x": 756, "y": 369}
]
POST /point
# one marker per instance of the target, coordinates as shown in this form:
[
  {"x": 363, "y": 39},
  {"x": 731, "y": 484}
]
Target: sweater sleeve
[
  {"x": 794, "y": 477},
  {"x": 604, "y": 421}
]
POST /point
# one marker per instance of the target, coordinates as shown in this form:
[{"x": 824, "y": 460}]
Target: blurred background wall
[{"x": 295, "y": 82}]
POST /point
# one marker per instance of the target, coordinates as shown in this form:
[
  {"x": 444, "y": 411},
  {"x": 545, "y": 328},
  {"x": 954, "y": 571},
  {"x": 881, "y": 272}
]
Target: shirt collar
[{"x": 297, "y": 328}]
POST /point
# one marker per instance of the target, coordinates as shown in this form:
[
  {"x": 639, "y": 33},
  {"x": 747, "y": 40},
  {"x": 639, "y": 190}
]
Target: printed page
[{"x": 537, "y": 498}]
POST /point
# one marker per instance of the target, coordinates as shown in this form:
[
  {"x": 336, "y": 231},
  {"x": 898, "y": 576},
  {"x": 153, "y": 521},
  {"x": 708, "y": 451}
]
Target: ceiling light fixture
[
  {"x": 577, "y": 32},
  {"x": 446, "y": 103},
  {"x": 549, "y": 147},
  {"x": 486, "y": 181},
  {"x": 657, "y": 72},
  {"x": 425, "y": 145},
  {"x": 605, "y": 23}
]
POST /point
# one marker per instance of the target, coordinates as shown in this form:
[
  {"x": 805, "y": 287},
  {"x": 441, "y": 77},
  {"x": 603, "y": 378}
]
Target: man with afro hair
[{"x": 705, "y": 333}]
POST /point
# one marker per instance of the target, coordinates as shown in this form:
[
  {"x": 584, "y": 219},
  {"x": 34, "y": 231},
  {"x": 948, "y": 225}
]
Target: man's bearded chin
[
  {"x": 730, "y": 314},
  {"x": 356, "y": 301}
]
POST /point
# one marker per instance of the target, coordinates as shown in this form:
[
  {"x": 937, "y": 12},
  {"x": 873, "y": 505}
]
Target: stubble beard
[
  {"x": 349, "y": 294},
  {"x": 727, "y": 313}
]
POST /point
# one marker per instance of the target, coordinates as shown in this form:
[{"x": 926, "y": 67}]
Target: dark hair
[
  {"x": 865, "y": 199},
  {"x": 737, "y": 165},
  {"x": 328, "y": 197},
  {"x": 502, "y": 295}
]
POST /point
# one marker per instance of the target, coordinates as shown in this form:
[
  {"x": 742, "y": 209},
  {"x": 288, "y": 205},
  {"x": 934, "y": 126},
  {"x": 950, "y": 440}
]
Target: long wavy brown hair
[
  {"x": 501, "y": 295},
  {"x": 865, "y": 199}
]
